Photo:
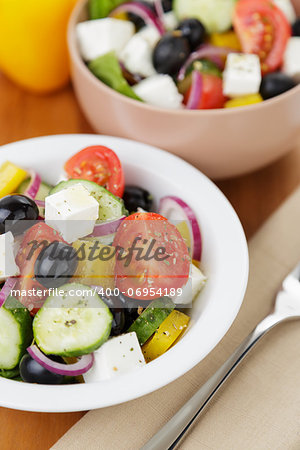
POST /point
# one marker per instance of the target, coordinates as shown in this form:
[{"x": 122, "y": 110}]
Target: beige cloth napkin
[{"x": 259, "y": 406}]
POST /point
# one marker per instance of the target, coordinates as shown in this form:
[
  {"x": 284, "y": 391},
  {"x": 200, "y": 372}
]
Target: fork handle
[{"x": 169, "y": 436}]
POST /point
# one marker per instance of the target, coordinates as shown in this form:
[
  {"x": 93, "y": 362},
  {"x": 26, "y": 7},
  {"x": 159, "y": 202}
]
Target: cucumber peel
[
  {"x": 15, "y": 334},
  {"x": 11, "y": 374},
  {"x": 110, "y": 206},
  {"x": 151, "y": 318}
]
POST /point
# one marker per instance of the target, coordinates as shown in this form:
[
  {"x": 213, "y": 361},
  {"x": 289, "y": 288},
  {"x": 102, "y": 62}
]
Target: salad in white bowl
[
  {"x": 44, "y": 323},
  {"x": 193, "y": 54}
]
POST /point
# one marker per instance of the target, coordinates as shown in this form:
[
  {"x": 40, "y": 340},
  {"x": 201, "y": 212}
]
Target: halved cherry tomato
[
  {"x": 99, "y": 164},
  {"x": 212, "y": 95},
  {"x": 264, "y": 30},
  {"x": 159, "y": 262},
  {"x": 35, "y": 239},
  {"x": 145, "y": 216}
]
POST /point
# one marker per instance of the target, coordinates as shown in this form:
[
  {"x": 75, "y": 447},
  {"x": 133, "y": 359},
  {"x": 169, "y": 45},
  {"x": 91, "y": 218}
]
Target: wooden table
[{"x": 23, "y": 116}]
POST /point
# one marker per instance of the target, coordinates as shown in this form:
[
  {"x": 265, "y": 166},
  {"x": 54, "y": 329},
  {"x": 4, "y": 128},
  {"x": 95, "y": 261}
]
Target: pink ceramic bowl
[{"x": 221, "y": 142}]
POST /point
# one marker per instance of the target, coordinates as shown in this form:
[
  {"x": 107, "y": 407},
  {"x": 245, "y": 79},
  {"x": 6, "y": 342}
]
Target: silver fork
[{"x": 287, "y": 306}]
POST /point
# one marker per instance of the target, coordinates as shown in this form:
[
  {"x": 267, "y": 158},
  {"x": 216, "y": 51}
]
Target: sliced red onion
[
  {"x": 6, "y": 290},
  {"x": 79, "y": 368},
  {"x": 40, "y": 203},
  {"x": 142, "y": 11},
  {"x": 34, "y": 184},
  {"x": 106, "y": 228},
  {"x": 174, "y": 208},
  {"x": 196, "y": 90},
  {"x": 217, "y": 60},
  {"x": 159, "y": 10},
  {"x": 205, "y": 51}
]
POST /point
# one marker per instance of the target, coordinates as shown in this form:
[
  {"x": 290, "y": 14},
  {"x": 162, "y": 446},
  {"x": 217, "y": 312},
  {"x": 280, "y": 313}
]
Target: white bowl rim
[
  {"x": 81, "y": 397},
  {"x": 74, "y": 53}
]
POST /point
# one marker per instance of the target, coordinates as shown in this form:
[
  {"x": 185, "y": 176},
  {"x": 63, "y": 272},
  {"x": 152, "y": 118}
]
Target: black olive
[
  {"x": 193, "y": 30},
  {"x": 55, "y": 264},
  {"x": 167, "y": 5},
  {"x": 124, "y": 310},
  {"x": 135, "y": 197},
  {"x": 170, "y": 53},
  {"x": 131, "y": 308},
  {"x": 32, "y": 372},
  {"x": 296, "y": 27},
  {"x": 274, "y": 84},
  {"x": 137, "y": 20},
  {"x": 118, "y": 312},
  {"x": 15, "y": 210}
]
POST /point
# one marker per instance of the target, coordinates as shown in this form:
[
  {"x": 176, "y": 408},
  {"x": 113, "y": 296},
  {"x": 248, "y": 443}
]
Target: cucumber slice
[
  {"x": 151, "y": 318},
  {"x": 110, "y": 206},
  {"x": 74, "y": 321},
  {"x": 43, "y": 191},
  {"x": 15, "y": 333},
  {"x": 216, "y": 15}
]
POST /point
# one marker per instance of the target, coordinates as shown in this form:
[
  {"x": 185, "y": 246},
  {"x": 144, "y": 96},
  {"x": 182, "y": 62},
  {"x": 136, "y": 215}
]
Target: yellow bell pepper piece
[
  {"x": 167, "y": 333},
  {"x": 121, "y": 16},
  {"x": 96, "y": 269},
  {"x": 183, "y": 229},
  {"x": 11, "y": 177},
  {"x": 228, "y": 39},
  {"x": 244, "y": 101}
]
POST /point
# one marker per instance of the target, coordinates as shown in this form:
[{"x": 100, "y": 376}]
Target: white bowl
[{"x": 225, "y": 262}]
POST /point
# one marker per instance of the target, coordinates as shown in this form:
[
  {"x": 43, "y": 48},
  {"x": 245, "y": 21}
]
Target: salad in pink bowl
[{"x": 193, "y": 54}]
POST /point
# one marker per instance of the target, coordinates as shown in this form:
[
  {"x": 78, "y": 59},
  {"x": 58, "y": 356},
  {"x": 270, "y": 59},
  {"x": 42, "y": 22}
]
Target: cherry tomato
[
  {"x": 159, "y": 262},
  {"x": 212, "y": 95},
  {"x": 35, "y": 239},
  {"x": 99, "y": 164},
  {"x": 262, "y": 29}
]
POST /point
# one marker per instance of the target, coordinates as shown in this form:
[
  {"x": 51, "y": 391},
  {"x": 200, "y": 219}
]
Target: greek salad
[
  {"x": 94, "y": 282},
  {"x": 193, "y": 54}
]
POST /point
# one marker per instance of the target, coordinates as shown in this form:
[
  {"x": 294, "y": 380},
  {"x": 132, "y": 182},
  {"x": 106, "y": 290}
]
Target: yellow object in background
[
  {"x": 11, "y": 177},
  {"x": 244, "y": 101},
  {"x": 228, "y": 39},
  {"x": 33, "y": 50},
  {"x": 170, "y": 329}
]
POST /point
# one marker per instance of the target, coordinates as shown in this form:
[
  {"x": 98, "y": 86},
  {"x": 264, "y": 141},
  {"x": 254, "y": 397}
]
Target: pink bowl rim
[{"x": 76, "y": 58}]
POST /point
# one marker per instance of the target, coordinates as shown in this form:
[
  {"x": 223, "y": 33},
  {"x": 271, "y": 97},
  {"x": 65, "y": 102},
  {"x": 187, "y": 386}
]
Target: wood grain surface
[{"x": 22, "y": 116}]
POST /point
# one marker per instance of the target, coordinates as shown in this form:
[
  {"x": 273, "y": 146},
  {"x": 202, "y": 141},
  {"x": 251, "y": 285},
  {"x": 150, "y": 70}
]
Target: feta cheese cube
[
  {"x": 242, "y": 75},
  {"x": 189, "y": 292},
  {"x": 72, "y": 212},
  {"x": 159, "y": 90},
  {"x": 118, "y": 355},
  {"x": 8, "y": 266},
  {"x": 287, "y": 9},
  {"x": 98, "y": 37},
  {"x": 137, "y": 56},
  {"x": 150, "y": 34},
  {"x": 291, "y": 59},
  {"x": 170, "y": 20}
]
